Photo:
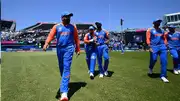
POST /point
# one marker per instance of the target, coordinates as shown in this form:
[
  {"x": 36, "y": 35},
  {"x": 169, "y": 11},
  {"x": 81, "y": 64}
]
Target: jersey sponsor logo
[
  {"x": 65, "y": 33},
  {"x": 100, "y": 36},
  {"x": 158, "y": 34},
  {"x": 174, "y": 39}
]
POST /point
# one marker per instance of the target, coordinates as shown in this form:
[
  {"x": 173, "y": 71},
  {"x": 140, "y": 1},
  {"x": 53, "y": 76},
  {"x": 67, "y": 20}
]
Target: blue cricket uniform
[
  {"x": 90, "y": 51},
  {"x": 157, "y": 41},
  {"x": 67, "y": 41},
  {"x": 102, "y": 50},
  {"x": 174, "y": 46},
  {"x": 121, "y": 46}
]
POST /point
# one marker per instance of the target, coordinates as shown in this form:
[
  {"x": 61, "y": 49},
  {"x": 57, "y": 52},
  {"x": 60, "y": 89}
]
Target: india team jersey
[
  {"x": 155, "y": 37},
  {"x": 173, "y": 39},
  {"x": 66, "y": 35},
  {"x": 101, "y": 36},
  {"x": 90, "y": 45}
]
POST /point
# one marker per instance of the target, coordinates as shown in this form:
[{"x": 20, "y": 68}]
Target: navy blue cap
[
  {"x": 66, "y": 14},
  {"x": 157, "y": 20},
  {"x": 91, "y": 27},
  {"x": 98, "y": 23},
  {"x": 171, "y": 26}
]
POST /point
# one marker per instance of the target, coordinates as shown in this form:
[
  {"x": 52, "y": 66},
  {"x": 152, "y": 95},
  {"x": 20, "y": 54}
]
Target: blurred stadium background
[{"x": 32, "y": 38}]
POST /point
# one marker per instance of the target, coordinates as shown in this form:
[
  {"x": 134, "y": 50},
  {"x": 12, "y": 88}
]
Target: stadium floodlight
[{"x": 122, "y": 22}]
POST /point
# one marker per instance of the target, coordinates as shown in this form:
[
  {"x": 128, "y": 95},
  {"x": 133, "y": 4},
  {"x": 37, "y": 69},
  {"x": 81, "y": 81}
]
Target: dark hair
[{"x": 98, "y": 24}]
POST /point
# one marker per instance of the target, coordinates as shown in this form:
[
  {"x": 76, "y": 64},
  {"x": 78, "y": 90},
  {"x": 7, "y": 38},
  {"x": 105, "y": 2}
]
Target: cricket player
[
  {"x": 173, "y": 39},
  {"x": 102, "y": 49},
  {"x": 156, "y": 40},
  {"x": 90, "y": 40},
  {"x": 67, "y": 42},
  {"x": 121, "y": 47}
]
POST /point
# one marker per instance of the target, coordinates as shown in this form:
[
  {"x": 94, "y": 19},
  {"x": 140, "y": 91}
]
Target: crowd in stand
[{"x": 36, "y": 36}]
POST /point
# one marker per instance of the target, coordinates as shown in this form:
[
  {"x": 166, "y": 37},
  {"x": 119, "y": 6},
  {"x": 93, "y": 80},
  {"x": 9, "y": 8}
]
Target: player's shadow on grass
[
  {"x": 110, "y": 73},
  {"x": 154, "y": 75},
  {"x": 170, "y": 70},
  {"x": 73, "y": 87}
]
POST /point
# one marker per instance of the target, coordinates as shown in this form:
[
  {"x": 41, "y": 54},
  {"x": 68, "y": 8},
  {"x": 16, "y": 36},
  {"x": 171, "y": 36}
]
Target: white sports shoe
[
  {"x": 150, "y": 71},
  {"x": 106, "y": 73},
  {"x": 179, "y": 71},
  {"x": 101, "y": 76},
  {"x": 176, "y": 72},
  {"x": 64, "y": 97},
  {"x": 164, "y": 79},
  {"x": 91, "y": 76}
]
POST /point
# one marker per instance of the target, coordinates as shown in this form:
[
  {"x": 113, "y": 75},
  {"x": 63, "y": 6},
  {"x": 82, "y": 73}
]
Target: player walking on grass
[
  {"x": 173, "y": 39},
  {"x": 67, "y": 41},
  {"x": 121, "y": 46},
  {"x": 102, "y": 49},
  {"x": 156, "y": 40},
  {"x": 90, "y": 40}
]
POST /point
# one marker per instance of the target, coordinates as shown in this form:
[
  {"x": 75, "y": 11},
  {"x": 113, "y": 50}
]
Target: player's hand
[
  {"x": 107, "y": 42},
  {"x": 92, "y": 40},
  {"x": 97, "y": 44},
  {"x": 150, "y": 49},
  {"x": 77, "y": 54},
  {"x": 45, "y": 46},
  {"x": 95, "y": 38}
]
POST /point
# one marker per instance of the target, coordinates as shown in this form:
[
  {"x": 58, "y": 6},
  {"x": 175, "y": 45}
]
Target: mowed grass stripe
[{"x": 35, "y": 77}]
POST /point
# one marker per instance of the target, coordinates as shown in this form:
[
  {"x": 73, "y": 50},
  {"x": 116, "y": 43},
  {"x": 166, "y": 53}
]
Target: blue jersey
[
  {"x": 102, "y": 36},
  {"x": 66, "y": 36},
  {"x": 155, "y": 37},
  {"x": 90, "y": 45},
  {"x": 173, "y": 39}
]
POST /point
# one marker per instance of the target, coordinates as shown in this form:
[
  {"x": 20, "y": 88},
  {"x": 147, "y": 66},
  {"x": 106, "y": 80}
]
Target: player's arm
[
  {"x": 107, "y": 37},
  {"x": 50, "y": 37},
  {"x": 148, "y": 37},
  {"x": 76, "y": 39},
  {"x": 165, "y": 37}
]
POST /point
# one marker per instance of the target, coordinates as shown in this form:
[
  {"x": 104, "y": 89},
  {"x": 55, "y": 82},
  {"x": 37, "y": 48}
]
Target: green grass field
[{"x": 35, "y": 77}]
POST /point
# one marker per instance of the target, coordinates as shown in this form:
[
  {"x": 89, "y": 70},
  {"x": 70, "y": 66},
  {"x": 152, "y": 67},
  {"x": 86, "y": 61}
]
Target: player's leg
[
  {"x": 66, "y": 72},
  {"x": 178, "y": 60},
  {"x": 92, "y": 64},
  {"x": 60, "y": 63},
  {"x": 60, "y": 60},
  {"x": 174, "y": 55},
  {"x": 99, "y": 56},
  {"x": 163, "y": 58},
  {"x": 122, "y": 50},
  {"x": 106, "y": 59},
  {"x": 153, "y": 59}
]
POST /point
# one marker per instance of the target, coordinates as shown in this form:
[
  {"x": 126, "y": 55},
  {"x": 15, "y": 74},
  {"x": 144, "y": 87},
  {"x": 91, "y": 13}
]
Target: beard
[
  {"x": 66, "y": 21},
  {"x": 157, "y": 25},
  {"x": 172, "y": 30},
  {"x": 98, "y": 27}
]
